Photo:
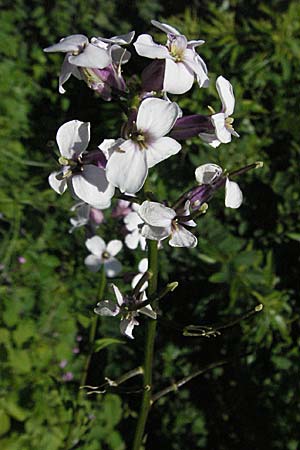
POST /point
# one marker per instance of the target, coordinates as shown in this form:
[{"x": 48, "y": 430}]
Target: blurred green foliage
[{"x": 245, "y": 257}]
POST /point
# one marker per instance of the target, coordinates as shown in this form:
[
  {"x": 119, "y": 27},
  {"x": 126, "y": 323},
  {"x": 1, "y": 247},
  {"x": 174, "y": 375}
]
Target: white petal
[
  {"x": 112, "y": 267},
  {"x": 195, "y": 43},
  {"x": 198, "y": 66},
  {"x": 92, "y": 56},
  {"x": 96, "y": 245},
  {"x": 165, "y": 27},
  {"x": 210, "y": 139},
  {"x": 225, "y": 91},
  {"x": 107, "y": 308},
  {"x": 114, "y": 246},
  {"x": 91, "y": 186},
  {"x": 143, "y": 265},
  {"x": 178, "y": 78},
  {"x": 161, "y": 149},
  {"x": 156, "y": 214},
  {"x": 119, "y": 296},
  {"x": 68, "y": 44},
  {"x": 222, "y": 133},
  {"x": 73, "y": 138},
  {"x": 145, "y": 46},
  {"x": 127, "y": 326},
  {"x": 119, "y": 55},
  {"x": 132, "y": 239},
  {"x": 208, "y": 173},
  {"x": 183, "y": 238},
  {"x": 93, "y": 263},
  {"x": 156, "y": 233},
  {"x": 135, "y": 281},
  {"x": 233, "y": 195},
  {"x": 59, "y": 186},
  {"x": 148, "y": 311},
  {"x": 132, "y": 220},
  {"x": 65, "y": 73},
  {"x": 127, "y": 168},
  {"x": 156, "y": 117}
]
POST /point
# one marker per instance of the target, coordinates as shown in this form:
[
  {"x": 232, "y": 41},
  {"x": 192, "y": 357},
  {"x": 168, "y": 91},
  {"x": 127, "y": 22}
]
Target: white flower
[
  {"x": 122, "y": 308},
  {"x": 222, "y": 121},
  {"x": 212, "y": 174},
  {"x": 113, "y": 45},
  {"x": 127, "y": 168},
  {"x": 182, "y": 62},
  {"x": 103, "y": 254},
  {"x": 143, "y": 267},
  {"x": 86, "y": 181},
  {"x": 85, "y": 214},
  {"x": 80, "y": 53},
  {"x": 133, "y": 224},
  {"x": 162, "y": 222}
]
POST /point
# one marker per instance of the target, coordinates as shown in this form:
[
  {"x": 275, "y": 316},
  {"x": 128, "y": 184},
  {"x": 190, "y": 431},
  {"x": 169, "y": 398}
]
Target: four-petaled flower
[
  {"x": 182, "y": 63},
  {"x": 162, "y": 222},
  {"x": 222, "y": 122},
  {"x": 127, "y": 168},
  {"x": 123, "y": 307},
  {"x": 212, "y": 175},
  {"x": 86, "y": 181},
  {"x": 102, "y": 254},
  {"x": 133, "y": 224}
]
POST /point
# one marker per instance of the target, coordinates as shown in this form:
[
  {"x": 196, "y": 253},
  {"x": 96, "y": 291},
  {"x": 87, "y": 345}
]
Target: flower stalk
[{"x": 149, "y": 350}]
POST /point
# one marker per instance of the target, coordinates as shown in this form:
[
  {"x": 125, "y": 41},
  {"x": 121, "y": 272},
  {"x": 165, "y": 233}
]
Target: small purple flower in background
[
  {"x": 68, "y": 376},
  {"x": 84, "y": 215},
  {"x": 79, "y": 338},
  {"x": 76, "y": 350},
  {"x": 122, "y": 209},
  {"x": 63, "y": 363},
  {"x": 22, "y": 260},
  {"x": 103, "y": 254}
]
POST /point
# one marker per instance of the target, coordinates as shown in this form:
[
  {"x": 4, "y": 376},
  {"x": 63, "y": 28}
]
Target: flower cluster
[{"x": 118, "y": 168}]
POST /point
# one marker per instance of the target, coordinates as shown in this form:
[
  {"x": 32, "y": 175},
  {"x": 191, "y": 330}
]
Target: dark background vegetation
[{"x": 245, "y": 257}]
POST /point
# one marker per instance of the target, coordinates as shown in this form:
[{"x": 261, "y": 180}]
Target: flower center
[
  {"x": 105, "y": 255},
  {"x": 229, "y": 122}
]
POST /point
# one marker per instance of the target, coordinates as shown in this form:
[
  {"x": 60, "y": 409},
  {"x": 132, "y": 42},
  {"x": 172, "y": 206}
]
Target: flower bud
[{"x": 190, "y": 126}]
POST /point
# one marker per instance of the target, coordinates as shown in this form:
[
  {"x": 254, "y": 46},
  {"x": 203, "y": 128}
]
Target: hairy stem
[{"x": 149, "y": 350}]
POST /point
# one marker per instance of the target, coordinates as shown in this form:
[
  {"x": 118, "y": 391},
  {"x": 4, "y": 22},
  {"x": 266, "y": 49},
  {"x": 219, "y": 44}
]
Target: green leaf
[
  {"x": 100, "y": 344},
  {"x": 294, "y": 236},
  {"x": 4, "y": 422}
]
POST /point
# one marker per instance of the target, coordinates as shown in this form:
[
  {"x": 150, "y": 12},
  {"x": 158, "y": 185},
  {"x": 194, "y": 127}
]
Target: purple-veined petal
[
  {"x": 178, "y": 78},
  {"x": 156, "y": 233},
  {"x": 107, "y": 308},
  {"x": 58, "y": 186},
  {"x": 233, "y": 195},
  {"x": 222, "y": 133},
  {"x": 112, "y": 267},
  {"x": 210, "y": 139},
  {"x": 225, "y": 91},
  {"x": 127, "y": 168},
  {"x": 145, "y": 46},
  {"x": 181, "y": 237},
  {"x": 92, "y": 187},
  {"x": 118, "y": 294},
  {"x": 165, "y": 27},
  {"x": 161, "y": 149},
  {"x": 92, "y": 57},
  {"x": 114, "y": 247},
  {"x": 68, "y": 44},
  {"x": 127, "y": 326},
  {"x": 156, "y": 117},
  {"x": 73, "y": 138},
  {"x": 208, "y": 173},
  {"x": 96, "y": 245},
  {"x": 156, "y": 214},
  {"x": 93, "y": 263}
]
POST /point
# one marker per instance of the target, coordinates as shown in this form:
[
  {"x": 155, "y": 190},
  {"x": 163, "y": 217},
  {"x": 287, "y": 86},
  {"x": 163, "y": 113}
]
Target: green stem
[
  {"x": 93, "y": 329},
  {"x": 149, "y": 350}
]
